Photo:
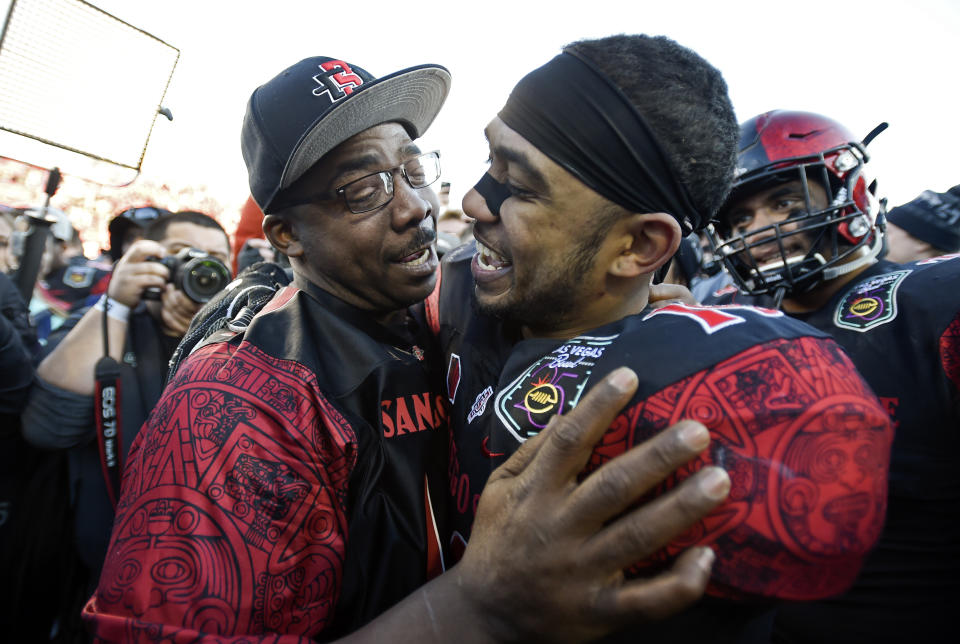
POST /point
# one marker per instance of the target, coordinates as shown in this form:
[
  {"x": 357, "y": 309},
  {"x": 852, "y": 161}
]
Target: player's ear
[
  {"x": 647, "y": 242},
  {"x": 280, "y": 230}
]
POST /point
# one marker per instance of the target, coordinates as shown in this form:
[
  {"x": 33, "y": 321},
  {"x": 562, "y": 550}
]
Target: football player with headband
[
  {"x": 600, "y": 162},
  {"x": 290, "y": 484},
  {"x": 803, "y": 224}
]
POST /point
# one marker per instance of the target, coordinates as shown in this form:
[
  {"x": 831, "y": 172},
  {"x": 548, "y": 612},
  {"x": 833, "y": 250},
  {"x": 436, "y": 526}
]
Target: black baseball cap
[
  {"x": 308, "y": 109},
  {"x": 137, "y": 217}
]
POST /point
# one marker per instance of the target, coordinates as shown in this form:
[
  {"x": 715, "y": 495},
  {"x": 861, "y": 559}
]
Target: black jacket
[{"x": 289, "y": 467}]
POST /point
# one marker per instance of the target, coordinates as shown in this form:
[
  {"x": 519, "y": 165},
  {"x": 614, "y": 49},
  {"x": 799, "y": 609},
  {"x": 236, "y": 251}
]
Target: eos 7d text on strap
[{"x": 109, "y": 426}]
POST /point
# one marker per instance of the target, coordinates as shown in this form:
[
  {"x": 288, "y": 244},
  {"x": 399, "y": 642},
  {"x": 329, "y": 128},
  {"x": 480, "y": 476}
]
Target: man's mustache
[{"x": 422, "y": 237}]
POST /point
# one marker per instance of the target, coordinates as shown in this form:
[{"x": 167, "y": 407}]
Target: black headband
[{"x": 575, "y": 115}]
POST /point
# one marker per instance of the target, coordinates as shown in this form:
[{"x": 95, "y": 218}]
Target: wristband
[{"x": 113, "y": 309}]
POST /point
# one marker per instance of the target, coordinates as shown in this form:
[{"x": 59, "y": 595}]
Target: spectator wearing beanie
[{"x": 926, "y": 227}]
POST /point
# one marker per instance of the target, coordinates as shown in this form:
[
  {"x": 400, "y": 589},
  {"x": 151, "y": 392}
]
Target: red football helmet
[{"x": 781, "y": 146}]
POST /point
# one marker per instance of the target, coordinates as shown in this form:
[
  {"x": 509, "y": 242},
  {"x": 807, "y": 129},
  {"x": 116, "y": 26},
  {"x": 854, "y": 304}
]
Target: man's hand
[
  {"x": 547, "y": 552},
  {"x": 664, "y": 294},
  {"x": 177, "y": 310},
  {"x": 134, "y": 273}
]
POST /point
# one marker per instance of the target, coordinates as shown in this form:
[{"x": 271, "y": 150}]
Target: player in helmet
[
  {"x": 802, "y": 210},
  {"x": 804, "y": 223}
]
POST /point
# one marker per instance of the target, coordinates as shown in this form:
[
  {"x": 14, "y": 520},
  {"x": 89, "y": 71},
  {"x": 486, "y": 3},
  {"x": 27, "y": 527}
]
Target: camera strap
[
  {"x": 107, "y": 408},
  {"x": 107, "y": 373}
]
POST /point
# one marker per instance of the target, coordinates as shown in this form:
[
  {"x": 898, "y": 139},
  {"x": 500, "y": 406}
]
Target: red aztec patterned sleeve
[
  {"x": 231, "y": 524},
  {"x": 950, "y": 351},
  {"x": 807, "y": 447}
]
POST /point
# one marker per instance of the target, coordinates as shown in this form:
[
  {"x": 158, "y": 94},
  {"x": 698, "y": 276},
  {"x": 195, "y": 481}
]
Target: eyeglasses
[{"x": 376, "y": 190}]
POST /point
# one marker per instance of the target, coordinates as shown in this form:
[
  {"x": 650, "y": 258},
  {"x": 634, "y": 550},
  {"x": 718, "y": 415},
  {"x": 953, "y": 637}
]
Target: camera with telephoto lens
[{"x": 196, "y": 272}]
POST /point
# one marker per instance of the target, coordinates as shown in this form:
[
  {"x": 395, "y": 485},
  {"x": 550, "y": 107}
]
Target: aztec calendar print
[
  {"x": 239, "y": 519},
  {"x": 807, "y": 450},
  {"x": 950, "y": 351}
]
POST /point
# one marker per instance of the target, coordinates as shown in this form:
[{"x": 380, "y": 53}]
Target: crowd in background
[{"x": 85, "y": 350}]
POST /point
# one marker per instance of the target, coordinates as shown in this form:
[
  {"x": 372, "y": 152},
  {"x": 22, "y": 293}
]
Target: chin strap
[
  {"x": 838, "y": 271},
  {"x": 778, "y": 297}
]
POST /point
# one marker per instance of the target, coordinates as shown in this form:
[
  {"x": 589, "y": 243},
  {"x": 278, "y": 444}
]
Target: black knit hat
[{"x": 933, "y": 217}]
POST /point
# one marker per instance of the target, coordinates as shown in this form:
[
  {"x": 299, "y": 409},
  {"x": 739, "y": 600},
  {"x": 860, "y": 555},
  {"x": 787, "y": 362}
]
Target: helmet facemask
[{"x": 812, "y": 244}]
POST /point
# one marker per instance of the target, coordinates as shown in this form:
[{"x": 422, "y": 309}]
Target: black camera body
[{"x": 196, "y": 272}]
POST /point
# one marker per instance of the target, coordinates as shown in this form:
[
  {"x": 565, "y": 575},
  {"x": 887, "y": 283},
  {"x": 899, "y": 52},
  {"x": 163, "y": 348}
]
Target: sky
[{"x": 859, "y": 62}]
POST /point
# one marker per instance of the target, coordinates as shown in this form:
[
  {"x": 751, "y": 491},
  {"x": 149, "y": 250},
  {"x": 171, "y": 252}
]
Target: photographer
[
  {"x": 68, "y": 280},
  {"x": 142, "y": 317}
]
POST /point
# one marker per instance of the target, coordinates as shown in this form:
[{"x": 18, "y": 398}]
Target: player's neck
[
  {"x": 816, "y": 299},
  {"x": 607, "y": 308}
]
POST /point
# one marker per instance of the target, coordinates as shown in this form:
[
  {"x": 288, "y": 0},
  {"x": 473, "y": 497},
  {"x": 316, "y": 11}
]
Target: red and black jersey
[
  {"x": 805, "y": 441},
  {"x": 283, "y": 484},
  {"x": 900, "y": 324}
]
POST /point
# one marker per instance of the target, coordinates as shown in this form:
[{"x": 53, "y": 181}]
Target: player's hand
[
  {"x": 664, "y": 294},
  {"x": 177, "y": 310},
  {"x": 134, "y": 273},
  {"x": 547, "y": 552}
]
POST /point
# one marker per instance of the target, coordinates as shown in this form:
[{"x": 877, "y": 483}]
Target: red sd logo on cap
[{"x": 336, "y": 81}]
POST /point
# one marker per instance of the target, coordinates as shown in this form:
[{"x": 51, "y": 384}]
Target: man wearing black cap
[
  {"x": 926, "y": 227},
  {"x": 291, "y": 480},
  {"x": 804, "y": 225},
  {"x": 128, "y": 227},
  {"x": 599, "y": 162}
]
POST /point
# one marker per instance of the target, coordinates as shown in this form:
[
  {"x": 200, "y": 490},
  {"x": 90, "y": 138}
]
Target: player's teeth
[{"x": 489, "y": 256}]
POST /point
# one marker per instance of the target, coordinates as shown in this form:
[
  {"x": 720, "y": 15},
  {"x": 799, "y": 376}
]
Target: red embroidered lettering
[
  {"x": 421, "y": 408},
  {"x": 347, "y": 78},
  {"x": 385, "y": 420},
  {"x": 403, "y": 420}
]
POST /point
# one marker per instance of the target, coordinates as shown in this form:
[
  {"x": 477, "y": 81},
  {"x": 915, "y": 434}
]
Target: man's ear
[
  {"x": 281, "y": 232},
  {"x": 648, "y": 240}
]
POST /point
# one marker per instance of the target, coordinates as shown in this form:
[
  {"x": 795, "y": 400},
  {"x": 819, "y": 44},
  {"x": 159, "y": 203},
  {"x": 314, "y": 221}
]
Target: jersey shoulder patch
[
  {"x": 870, "y": 303},
  {"x": 550, "y": 385}
]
